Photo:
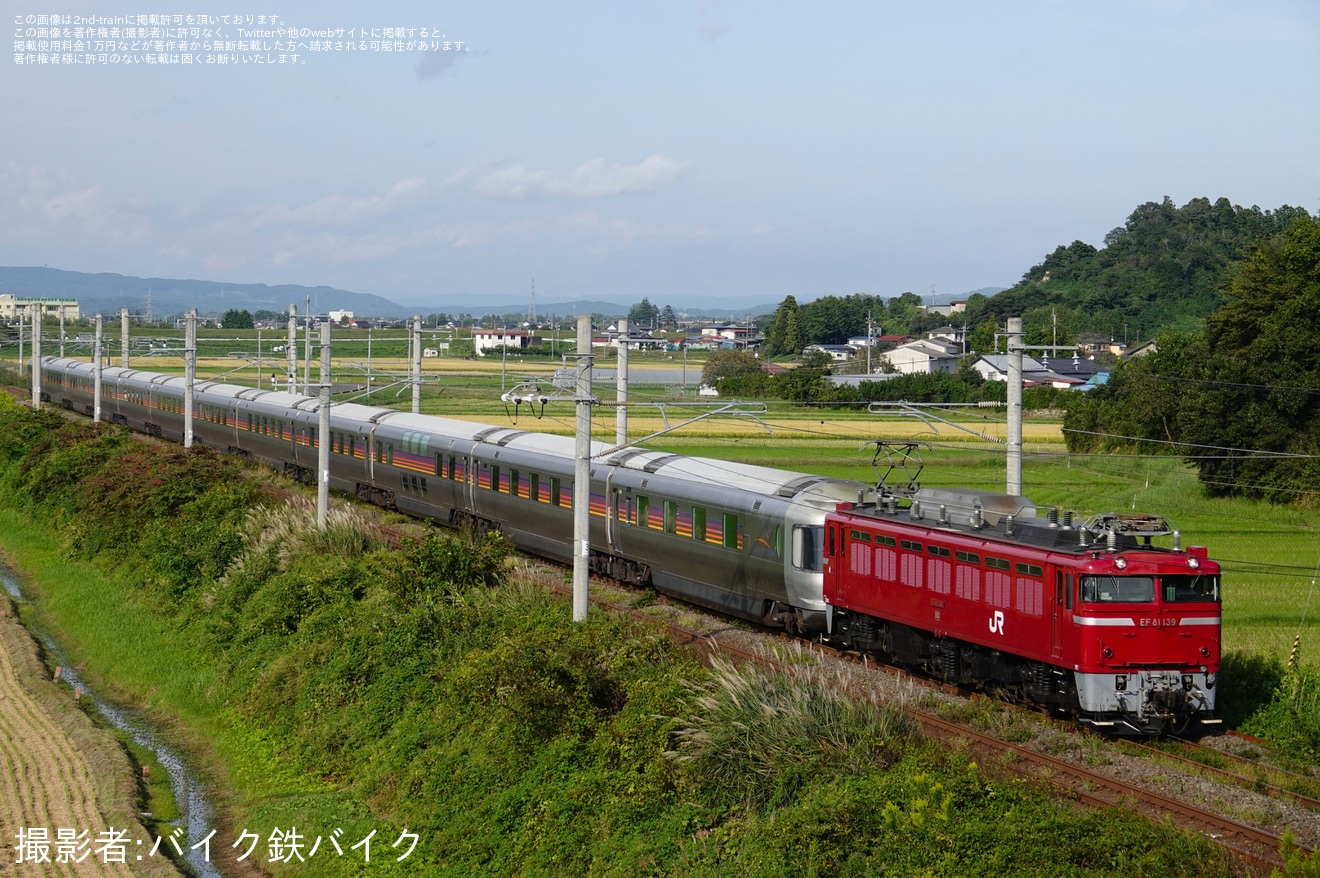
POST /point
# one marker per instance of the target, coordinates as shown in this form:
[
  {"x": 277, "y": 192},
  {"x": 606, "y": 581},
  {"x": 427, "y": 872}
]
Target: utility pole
[
  {"x": 61, "y": 332},
  {"x": 22, "y": 363},
  {"x": 291, "y": 347},
  {"x": 307, "y": 356},
  {"x": 123, "y": 337},
  {"x": 415, "y": 367},
  {"x": 1014, "y": 487},
  {"x": 870, "y": 338},
  {"x": 190, "y": 376},
  {"x": 582, "y": 473},
  {"x": 36, "y": 355},
  {"x": 96, "y": 376},
  {"x": 621, "y": 387},
  {"x": 323, "y": 435}
]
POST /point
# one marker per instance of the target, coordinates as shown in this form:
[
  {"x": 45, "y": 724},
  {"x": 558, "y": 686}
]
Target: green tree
[
  {"x": 236, "y": 319},
  {"x": 982, "y": 339},
  {"x": 668, "y": 319},
  {"x": 784, "y": 337},
  {"x": 726, "y": 364},
  {"x": 1238, "y": 398},
  {"x": 643, "y": 314},
  {"x": 1259, "y": 395}
]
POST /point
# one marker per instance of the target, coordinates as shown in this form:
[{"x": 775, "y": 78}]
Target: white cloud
[
  {"x": 341, "y": 208},
  {"x": 34, "y": 201},
  {"x": 591, "y": 179}
]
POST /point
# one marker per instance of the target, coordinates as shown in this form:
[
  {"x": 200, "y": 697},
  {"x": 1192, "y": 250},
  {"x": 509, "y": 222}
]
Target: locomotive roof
[{"x": 1071, "y": 536}]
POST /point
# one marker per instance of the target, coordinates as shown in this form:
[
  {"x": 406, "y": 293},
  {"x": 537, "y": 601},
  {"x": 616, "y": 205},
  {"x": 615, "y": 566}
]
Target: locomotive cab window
[
  {"x": 807, "y": 548},
  {"x": 1118, "y": 589},
  {"x": 1182, "y": 588}
]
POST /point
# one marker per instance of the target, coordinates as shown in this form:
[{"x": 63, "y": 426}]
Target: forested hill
[{"x": 1165, "y": 268}]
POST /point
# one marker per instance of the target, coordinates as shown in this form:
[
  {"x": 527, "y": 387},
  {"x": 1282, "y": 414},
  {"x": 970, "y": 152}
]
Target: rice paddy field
[{"x": 1270, "y": 554}]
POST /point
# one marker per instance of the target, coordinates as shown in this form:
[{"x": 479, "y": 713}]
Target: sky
[{"x": 693, "y": 152}]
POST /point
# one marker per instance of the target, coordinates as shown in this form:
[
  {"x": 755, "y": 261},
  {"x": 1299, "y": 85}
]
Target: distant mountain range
[
  {"x": 108, "y": 293},
  {"x": 162, "y": 297}
]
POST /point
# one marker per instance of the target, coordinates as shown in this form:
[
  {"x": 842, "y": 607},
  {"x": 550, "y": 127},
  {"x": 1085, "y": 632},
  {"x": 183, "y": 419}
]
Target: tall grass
[{"x": 754, "y": 740}]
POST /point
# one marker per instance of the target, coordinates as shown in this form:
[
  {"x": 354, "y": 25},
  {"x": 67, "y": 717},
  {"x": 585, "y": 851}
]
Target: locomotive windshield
[
  {"x": 1118, "y": 589},
  {"x": 1187, "y": 588}
]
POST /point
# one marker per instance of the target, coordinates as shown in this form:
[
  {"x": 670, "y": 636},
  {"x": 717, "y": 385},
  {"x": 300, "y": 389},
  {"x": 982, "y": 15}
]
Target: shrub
[
  {"x": 1290, "y": 722},
  {"x": 751, "y": 740}
]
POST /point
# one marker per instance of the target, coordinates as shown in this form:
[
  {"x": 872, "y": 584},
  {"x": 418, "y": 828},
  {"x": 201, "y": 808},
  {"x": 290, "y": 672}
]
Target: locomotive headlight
[
  {"x": 1193, "y": 563},
  {"x": 1120, "y": 563},
  {"x": 1205, "y": 653},
  {"x": 1120, "y": 682}
]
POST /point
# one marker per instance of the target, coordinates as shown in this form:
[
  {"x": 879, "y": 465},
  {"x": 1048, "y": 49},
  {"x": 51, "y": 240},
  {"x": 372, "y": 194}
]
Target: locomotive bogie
[{"x": 1146, "y": 701}]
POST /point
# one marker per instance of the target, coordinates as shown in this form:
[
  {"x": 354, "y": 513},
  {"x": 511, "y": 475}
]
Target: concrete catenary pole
[
  {"x": 415, "y": 367},
  {"x": 123, "y": 337},
  {"x": 621, "y": 388},
  {"x": 189, "y": 376},
  {"x": 96, "y": 375},
  {"x": 36, "y": 355},
  {"x": 291, "y": 348},
  {"x": 61, "y": 332},
  {"x": 1014, "y": 486},
  {"x": 22, "y": 363},
  {"x": 582, "y": 472},
  {"x": 307, "y": 354},
  {"x": 323, "y": 434}
]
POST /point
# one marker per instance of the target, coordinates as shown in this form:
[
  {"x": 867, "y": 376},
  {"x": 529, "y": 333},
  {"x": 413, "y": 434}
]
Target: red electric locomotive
[{"x": 1086, "y": 617}]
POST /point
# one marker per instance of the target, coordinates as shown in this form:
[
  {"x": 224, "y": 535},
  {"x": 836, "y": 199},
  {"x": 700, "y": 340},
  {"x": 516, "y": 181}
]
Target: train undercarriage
[{"x": 1154, "y": 707}]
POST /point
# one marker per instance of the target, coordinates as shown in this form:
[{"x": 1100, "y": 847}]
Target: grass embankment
[{"x": 330, "y": 684}]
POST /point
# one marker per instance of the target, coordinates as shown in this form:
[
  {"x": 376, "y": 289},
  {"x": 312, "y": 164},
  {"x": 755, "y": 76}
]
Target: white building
[
  {"x": 924, "y": 356},
  {"x": 51, "y": 309},
  {"x": 341, "y": 316},
  {"x": 487, "y": 339}
]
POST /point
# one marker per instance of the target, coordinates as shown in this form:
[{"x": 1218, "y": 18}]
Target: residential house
[
  {"x": 638, "y": 338},
  {"x": 994, "y": 367},
  {"x": 950, "y": 336},
  {"x": 839, "y": 353},
  {"x": 488, "y": 339},
  {"x": 922, "y": 356}
]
